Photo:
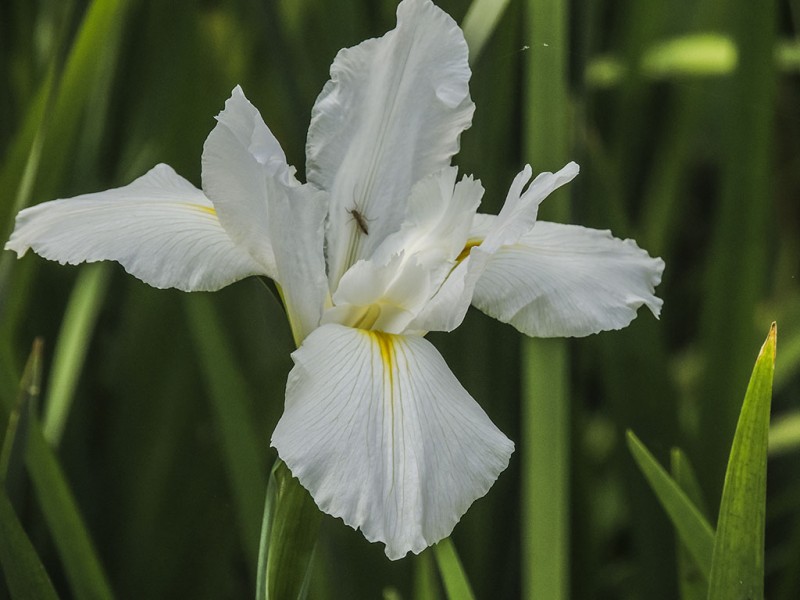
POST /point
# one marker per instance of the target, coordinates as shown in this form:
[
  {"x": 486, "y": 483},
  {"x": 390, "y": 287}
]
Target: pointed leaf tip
[
  {"x": 771, "y": 343},
  {"x": 737, "y": 568}
]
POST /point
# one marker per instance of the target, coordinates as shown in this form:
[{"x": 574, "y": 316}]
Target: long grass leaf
[
  {"x": 479, "y": 24},
  {"x": 230, "y": 402},
  {"x": 737, "y": 259},
  {"x": 25, "y": 575},
  {"x": 546, "y": 404},
  {"x": 425, "y": 584},
  {"x": 692, "y": 527},
  {"x": 81, "y": 562},
  {"x": 693, "y": 586},
  {"x": 737, "y": 570},
  {"x": 24, "y": 572},
  {"x": 101, "y": 28},
  {"x": 71, "y": 347},
  {"x": 545, "y": 416},
  {"x": 456, "y": 584},
  {"x": 29, "y": 388},
  {"x": 288, "y": 538}
]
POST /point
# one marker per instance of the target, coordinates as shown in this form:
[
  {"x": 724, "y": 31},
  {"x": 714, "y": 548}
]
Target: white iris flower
[{"x": 381, "y": 245}]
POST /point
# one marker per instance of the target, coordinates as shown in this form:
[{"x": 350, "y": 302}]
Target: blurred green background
[{"x": 685, "y": 118}]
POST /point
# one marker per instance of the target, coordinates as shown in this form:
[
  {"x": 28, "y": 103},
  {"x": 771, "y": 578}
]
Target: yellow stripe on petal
[
  {"x": 385, "y": 342},
  {"x": 468, "y": 248},
  {"x": 206, "y": 209}
]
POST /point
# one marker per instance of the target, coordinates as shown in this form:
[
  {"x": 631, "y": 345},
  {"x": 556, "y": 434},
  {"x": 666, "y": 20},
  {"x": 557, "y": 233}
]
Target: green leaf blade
[
  {"x": 692, "y": 528},
  {"x": 692, "y": 584},
  {"x": 480, "y": 22},
  {"x": 230, "y": 403},
  {"x": 24, "y": 572},
  {"x": 72, "y": 347},
  {"x": 737, "y": 569},
  {"x": 70, "y": 534},
  {"x": 288, "y": 537},
  {"x": 25, "y": 575},
  {"x": 456, "y": 584}
]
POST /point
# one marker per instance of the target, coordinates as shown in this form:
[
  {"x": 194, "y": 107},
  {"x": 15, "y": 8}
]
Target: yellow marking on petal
[
  {"x": 386, "y": 346},
  {"x": 367, "y": 317},
  {"x": 207, "y": 209},
  {"x": 467, "y": 248},
  {"x": 385, "y": 343}
]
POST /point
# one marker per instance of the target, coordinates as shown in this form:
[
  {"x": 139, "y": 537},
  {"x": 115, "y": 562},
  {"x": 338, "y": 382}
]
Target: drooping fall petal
[
  {"x": 381, "y": 433},
  {"x": 566, "y": 280},
  {"x": 160, "y": 227}
]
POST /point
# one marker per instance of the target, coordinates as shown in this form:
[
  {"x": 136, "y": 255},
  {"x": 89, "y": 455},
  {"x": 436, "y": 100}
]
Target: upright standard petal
[
  {"x": 296, "y": 229},
  {"x": 567, "y": 281},
  {"x": 381, "y": 433},
  {"x": 161, "y": 228},
  {"x": 390, "y": 115},
  {"x": 437, "y": 222},
  {"x": 240, "y": 156},
  {"x": 395, "y": 285}
]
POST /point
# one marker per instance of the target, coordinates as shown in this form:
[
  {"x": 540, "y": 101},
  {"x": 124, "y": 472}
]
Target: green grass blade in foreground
[
  {"x": 546, "y": 404},
  {"x": 50, "y": 129},
  {"x": 72, "y": 540},
  {"x": 426, "y": 586},
  {"x": 27, "y": 176},
  {"x": 748, "y": 141},
  {"x": 29, "y": 388},
  {"x": 101, "y": 28},
  {"x": 737, "y": 570},
  {"x": 288, "y": 536},
  {"x": 71, "y": 347},
  {"x": 545, "y": 504},
  {"x": 692, "y": 527},
  {"x": 479, "y": 24},
  {"x": 69, "y": 533},
  {"x": 24, "y": 573},
  {"x": 456, "y": 584},
  {"x": 230, "y": 404},
  {"x": 693, "y": 586}
]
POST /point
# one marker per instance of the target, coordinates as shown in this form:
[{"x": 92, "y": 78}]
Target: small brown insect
[{"x": 360, "y": 220}]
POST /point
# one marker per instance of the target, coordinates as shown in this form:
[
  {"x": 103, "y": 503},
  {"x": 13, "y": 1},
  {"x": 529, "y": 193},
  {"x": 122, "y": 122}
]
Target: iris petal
[
  {"x": 381, "y": 433},
  {"x": 242, "y": 163},
  {"x": 161, "y": 228},
  {"x": 566, "y": 280},
  {"x": 391, "y": 114}
]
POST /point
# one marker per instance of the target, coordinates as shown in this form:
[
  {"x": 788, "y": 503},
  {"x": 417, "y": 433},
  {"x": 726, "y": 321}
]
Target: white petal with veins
[
  {"x": 446, "y": 310},
  {"x": 297, "y": 231},
  {"x": 391, "y": 114},
  {"x": 381, "y": 433},
  {"x": 566, "y": 280},
  {"x": 160, "y": 227},
  {"x": 240, "y": 157}
]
